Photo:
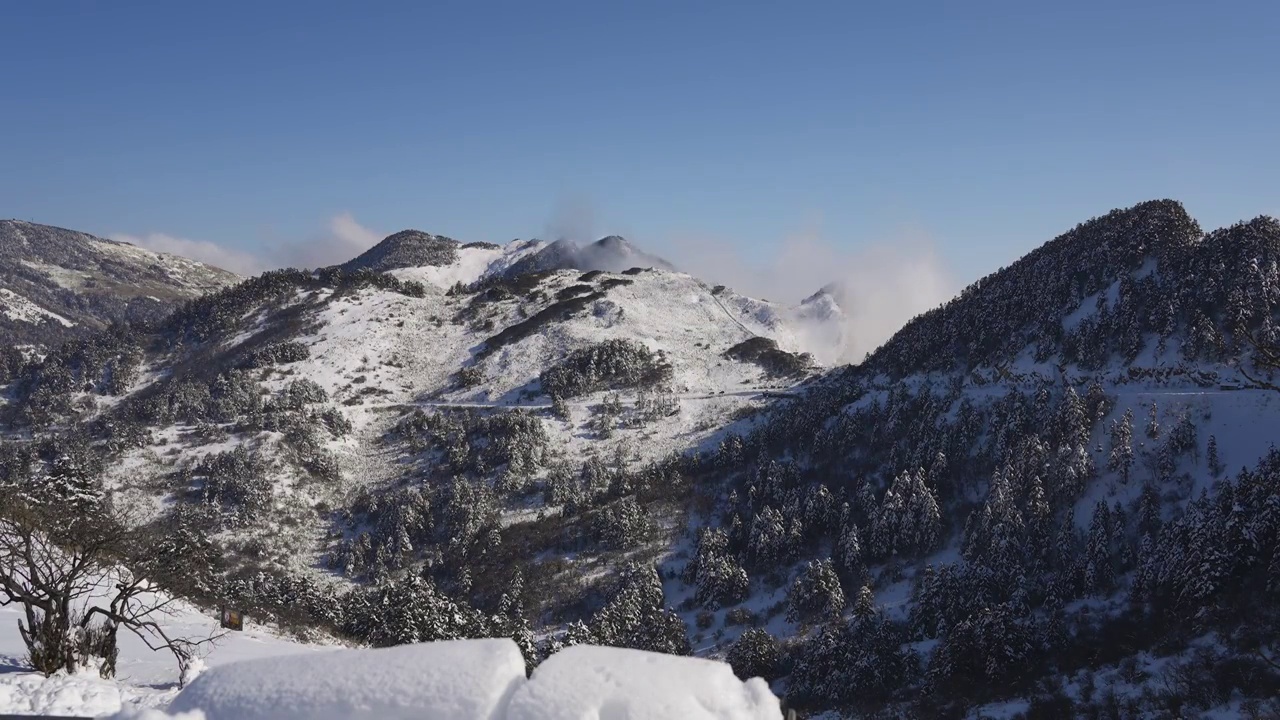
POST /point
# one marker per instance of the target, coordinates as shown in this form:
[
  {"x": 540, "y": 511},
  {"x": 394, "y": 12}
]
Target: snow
[
  {"x": 182, "y": 271},
  {"x": 153, "y": 714},
  {"x": 145, "y": 678},
  {"x": 465, "y": 680},
  {"x": 616, "y": 684},
  {"x": 472, "y": 264},
  {"x": 434, "y": 681},
  {"x": 17, "y": 307}
]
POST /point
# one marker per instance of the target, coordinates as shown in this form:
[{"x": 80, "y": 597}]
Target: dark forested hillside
[
  {"x": 1028, "y": 490},
  {"x": 1105, "y": 292}
]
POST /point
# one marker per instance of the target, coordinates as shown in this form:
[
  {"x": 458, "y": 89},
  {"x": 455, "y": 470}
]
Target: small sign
[{"x": 232, "y": 619}]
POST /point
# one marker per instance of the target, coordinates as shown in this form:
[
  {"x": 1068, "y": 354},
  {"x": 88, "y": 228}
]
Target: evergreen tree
[
  {"x": 909, "y": 521},
  {"x": 1215, "y": 462},
  {"x": 865, "y": 606},
  {"x": 755, "y": 654},
  {"x": 636, "y": 616},
  {"x": 816, "y": 595},
  {"x": 1099, "y": 560},
  {"x": 1121, "y": 457}
]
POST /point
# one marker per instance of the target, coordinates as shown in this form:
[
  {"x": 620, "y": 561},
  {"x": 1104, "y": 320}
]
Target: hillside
[
  {"x": 1054, "y": 494},
  {"x": 58, "y": 284},
  {"x": 449, "y": 432}
]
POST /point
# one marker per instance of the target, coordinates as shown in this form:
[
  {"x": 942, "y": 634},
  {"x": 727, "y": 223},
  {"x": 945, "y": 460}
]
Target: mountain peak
[
  {"x": 612, "y": 253},
  {"x": 405, "y": 249}
]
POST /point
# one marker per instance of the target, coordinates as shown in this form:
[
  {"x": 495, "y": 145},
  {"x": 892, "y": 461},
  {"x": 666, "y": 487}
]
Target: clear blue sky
[{"x": 988, "y": 125}]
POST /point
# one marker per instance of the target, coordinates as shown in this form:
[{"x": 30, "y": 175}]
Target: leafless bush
[{"x": 70, "y": 574}]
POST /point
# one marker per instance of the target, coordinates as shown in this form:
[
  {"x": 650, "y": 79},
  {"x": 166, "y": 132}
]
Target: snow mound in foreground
[
  {"x": 617, "y": 684},
  {"x": 434, "y": 681},
  {"x": 472, "y": 680}
]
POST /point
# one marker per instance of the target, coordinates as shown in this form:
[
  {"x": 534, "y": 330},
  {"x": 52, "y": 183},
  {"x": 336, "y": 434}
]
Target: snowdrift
[
  {"x": 455, "y": 679},
  {"x": 472, "y": 679},
  {"x": 616, "y": 684}
]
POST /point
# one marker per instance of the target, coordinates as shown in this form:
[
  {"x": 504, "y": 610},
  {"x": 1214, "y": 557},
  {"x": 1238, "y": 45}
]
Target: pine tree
[
  {"x": 1153, "y": 422},
  {"x": 1121, "y": 457},
  {"x": 1215, "y": 462},
  {"x": 559, "y": 407},
  {"x": 1072, "y": 425},
  {"x": 636, "y": 616},
  {"x": 1099, "y": 563},
  {"x": 755, "y": 654},
  {"x": 1149, "y": 522},
  {"x": 909, "y": 521},
  {"x": 865, "y": 606},
  {"x": 512, "y": 622},
  {"x": 848, "y": 554},
  {"x": 816, "y": 595}
]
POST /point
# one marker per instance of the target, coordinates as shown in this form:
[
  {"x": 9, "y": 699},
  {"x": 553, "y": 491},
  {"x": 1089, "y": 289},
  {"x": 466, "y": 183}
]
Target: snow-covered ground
[
  {"x": 16, "y": 307},
  {"x": 145, "y": 678},
  {"x": 255, "y": 675},
  {"x": 476, "y": 680}
]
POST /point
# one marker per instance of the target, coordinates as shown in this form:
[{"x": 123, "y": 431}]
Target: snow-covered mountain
[
  {"x": 270, "y": 415},
  {"x": 56, "y": 284},
  {"x": 506, "y": 441}
]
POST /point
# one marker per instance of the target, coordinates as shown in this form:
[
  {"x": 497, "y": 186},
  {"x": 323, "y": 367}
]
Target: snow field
[
  {"x": 471, "y": 679},
  {"x": 617, "y": 684},
  {"x": 438, "y": 681}
]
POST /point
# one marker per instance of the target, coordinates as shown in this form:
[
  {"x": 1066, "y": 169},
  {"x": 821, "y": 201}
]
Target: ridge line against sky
[{"x": 979, "y": 132}]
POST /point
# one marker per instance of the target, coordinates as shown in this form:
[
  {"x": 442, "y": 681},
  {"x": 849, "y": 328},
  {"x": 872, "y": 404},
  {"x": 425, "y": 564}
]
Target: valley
[{"x": 1054, "y": 493}]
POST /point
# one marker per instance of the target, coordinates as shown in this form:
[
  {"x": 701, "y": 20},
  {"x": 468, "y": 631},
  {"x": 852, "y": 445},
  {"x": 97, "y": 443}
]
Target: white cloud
[
  {"x": 878, "y": 286},
  {"x": 236, "y": 261},
  {"x": 341, "y": 240}
]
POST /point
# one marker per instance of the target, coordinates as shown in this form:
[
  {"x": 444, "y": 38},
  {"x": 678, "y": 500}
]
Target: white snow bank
[
  {"x": 433, "y": 681},
  {"x": 153, "y": 714},
  {"x": 616, "y": 684},
  {"x": 472, "y": 680},
  {"x": 82, "y": 693}
]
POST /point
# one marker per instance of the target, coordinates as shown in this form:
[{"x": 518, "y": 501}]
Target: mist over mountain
[
  {"x": 876, "y": 287},
  {"x": 608, "y": 254}
]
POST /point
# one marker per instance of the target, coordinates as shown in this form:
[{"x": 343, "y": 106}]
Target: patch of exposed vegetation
[{"x": 773, "y": 360}]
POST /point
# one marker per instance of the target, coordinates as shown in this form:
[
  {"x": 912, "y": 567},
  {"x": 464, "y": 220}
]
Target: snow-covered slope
[
  {"x": 145, "y": 678},
  {"x": 314, "y": 377},
  {"x": 380, "y": 354},
  {"x": 60, "y": 283},
  {"x": 1012, "y": 482}
]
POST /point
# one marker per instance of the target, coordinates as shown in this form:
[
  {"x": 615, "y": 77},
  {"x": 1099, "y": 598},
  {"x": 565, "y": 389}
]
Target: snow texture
[
  {"x": 16, "y": 307},
  {"x": 437, "y": 681},
  {"x": 470, "y": 680},
  {"x": 617, "y": 684},
  {"x": 145, "y": 678}
]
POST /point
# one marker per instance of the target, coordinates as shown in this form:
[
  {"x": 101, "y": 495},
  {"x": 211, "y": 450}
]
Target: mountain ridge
[
  {"x": 1004, "y": 504},
  {"x": 61, "y": 283}
]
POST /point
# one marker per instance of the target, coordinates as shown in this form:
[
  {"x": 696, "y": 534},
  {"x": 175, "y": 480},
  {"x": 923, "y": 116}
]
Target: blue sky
[{"x": 977, "y": 129}]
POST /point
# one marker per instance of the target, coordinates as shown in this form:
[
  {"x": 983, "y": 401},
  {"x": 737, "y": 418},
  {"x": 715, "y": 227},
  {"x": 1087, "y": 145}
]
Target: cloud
[
  {"x": 341, "y": 240},
  {"x": 236, "y": 261},
  {"x": 572, "y": 218},
  {"x": 877, "y": 287}
]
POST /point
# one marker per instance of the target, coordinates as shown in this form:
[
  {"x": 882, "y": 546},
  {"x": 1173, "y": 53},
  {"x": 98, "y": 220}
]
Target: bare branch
[{"x": 57, "y": 568}]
